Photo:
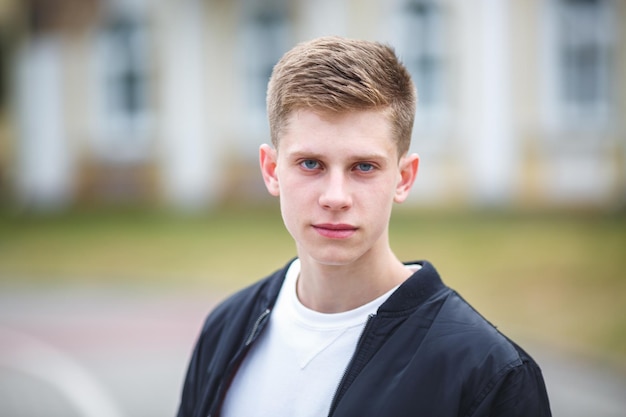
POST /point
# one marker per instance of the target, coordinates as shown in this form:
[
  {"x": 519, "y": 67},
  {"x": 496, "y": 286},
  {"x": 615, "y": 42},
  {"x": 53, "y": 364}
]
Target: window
[
  {"x": 122, "y": 90},
  {"x": 126, "y": 78},
  {"x": 582, "y": 57},
  {"x": 421, "y": 46},
  {"x": 265, "y": 41},
  {"x": 127, "y": 73}
]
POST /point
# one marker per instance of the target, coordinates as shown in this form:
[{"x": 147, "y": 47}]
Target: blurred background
[{"x": 130, "y": 199}]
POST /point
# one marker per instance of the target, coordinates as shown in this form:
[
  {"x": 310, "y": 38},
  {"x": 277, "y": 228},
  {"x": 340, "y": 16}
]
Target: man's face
[{"x": 337, "y": 176}]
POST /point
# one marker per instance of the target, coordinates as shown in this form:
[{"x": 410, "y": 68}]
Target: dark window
[
  {"x": 126, "y": 76},
  {"x": 423, "y": 49},
  {"x": 584, "y": 54}
]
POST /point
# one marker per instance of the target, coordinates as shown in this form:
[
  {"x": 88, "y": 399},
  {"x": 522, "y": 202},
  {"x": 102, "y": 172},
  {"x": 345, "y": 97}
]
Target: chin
[{"x": 334, "y": 257}]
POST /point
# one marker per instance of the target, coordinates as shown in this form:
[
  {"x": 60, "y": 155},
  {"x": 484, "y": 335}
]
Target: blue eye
[
  {"x": 309, "y": 164},
  {"x": 365, "y": 167}
]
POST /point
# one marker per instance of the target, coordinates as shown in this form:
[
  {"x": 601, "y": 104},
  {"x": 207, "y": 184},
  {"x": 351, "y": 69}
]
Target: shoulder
[
  {"x": 474, "y": 336},
  {"x": 446, "y": 342},
  {"x": 453, "y": 325},
  {"x": 501, "y": 373}
]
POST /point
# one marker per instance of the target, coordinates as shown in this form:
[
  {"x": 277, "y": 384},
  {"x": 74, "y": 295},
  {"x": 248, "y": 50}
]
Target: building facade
[{"x": 521, "y": 103}]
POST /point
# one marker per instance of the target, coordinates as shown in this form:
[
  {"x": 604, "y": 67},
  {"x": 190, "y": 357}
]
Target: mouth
[{"x": 335, "y": 230}]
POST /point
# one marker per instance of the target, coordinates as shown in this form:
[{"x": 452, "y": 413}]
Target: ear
[
  {"x": 267, "y": 159},
  {"x": 408, "y": 172}
]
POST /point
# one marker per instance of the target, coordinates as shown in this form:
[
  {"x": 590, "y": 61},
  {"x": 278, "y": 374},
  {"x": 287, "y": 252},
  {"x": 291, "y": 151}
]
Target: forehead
[{"x": 357, "y": 132}]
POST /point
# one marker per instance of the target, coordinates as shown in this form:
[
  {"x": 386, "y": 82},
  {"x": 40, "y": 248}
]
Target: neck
[{"x": 338, "y": 288}]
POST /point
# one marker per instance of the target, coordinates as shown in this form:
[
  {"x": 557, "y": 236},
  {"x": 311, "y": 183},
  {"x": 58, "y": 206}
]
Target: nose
[{"x": 335, "y": 194}]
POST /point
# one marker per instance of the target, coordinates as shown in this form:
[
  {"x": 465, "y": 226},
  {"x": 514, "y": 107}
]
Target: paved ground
[{"x": 106, "y": 353}]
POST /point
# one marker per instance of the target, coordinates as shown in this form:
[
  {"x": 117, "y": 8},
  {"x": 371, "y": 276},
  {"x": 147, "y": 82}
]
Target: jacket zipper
[
  {"x": 230, "y": 374},
  {"x": 341, "y": 387},
  {"x": 255, "y": 327}
]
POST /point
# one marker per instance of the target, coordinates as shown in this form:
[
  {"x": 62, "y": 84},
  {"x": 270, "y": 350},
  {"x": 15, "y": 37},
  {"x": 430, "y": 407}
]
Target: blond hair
[{"x": 337, "y": 74}]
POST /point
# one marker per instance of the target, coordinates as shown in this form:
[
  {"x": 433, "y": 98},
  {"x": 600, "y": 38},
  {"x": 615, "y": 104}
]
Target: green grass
[
  {"x": 224, "y": 249},
  {"x": 558, "y": 278}
]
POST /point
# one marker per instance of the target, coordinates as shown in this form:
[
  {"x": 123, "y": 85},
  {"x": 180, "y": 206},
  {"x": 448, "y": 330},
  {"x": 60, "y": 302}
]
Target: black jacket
[{"x": 426, "y": 352}]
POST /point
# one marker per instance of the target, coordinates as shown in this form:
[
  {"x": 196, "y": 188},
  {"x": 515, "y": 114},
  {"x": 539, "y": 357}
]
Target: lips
[{"x": 335, "y": 230}]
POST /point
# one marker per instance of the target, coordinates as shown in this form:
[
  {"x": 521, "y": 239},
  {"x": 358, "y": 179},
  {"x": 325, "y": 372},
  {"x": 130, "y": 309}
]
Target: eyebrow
[{"x": 303, "y": 154}]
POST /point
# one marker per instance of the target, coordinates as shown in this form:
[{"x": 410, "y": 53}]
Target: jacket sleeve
[
  {"x": 521, "y": 392},
  {"x": 190, "y": 392},
  {"x": 197, "y": 383}
]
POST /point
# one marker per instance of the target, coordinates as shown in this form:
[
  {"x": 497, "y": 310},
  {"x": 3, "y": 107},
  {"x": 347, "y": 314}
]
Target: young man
[{"x": 346, "y": 329}]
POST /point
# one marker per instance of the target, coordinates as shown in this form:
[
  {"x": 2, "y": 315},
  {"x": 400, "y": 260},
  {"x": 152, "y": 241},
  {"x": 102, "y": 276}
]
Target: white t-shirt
[{"x": 295, "y": 366}]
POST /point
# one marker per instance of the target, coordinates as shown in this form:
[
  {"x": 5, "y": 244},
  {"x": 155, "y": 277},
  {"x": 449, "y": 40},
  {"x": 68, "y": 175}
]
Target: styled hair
[{"x": 337, "y": 74}]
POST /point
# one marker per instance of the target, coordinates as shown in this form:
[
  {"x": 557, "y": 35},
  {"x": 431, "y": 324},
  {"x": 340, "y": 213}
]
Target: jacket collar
[{"x": 418, "y": 288}]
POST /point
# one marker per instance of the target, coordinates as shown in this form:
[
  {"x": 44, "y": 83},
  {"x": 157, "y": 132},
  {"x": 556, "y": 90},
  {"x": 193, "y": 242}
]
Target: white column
[
  {"x": 491, "y": 147},
  {"x": 44, "y": 167},
  {"x": 189, "y": 154}
]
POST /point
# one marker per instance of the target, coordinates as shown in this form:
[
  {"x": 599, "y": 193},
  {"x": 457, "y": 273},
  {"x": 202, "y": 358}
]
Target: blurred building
[{"x": 162, "y": 101}]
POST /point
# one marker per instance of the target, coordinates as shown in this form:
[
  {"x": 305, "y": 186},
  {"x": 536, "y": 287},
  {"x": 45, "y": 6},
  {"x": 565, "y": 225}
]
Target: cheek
[
  {"x": 381, "y": 202},
  {"x": 382, "y": 193},
  {"x": 292, "y": 213},
  {"x": 292, "y": 203}
]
